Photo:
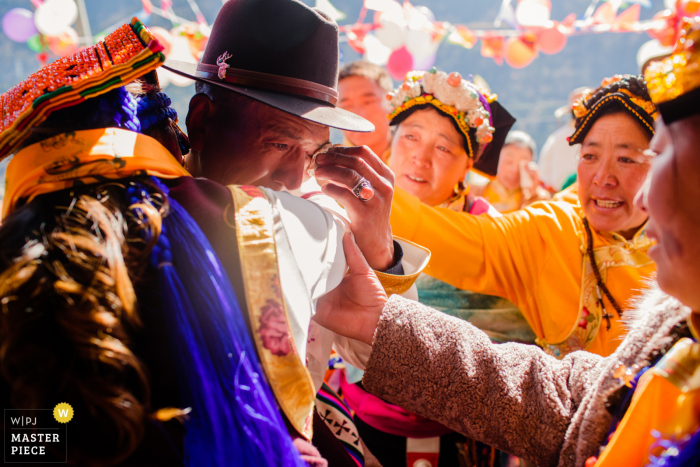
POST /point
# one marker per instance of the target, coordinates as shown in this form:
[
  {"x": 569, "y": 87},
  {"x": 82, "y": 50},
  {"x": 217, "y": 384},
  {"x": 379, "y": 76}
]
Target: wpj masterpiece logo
[{"x": 40, "y": 435}]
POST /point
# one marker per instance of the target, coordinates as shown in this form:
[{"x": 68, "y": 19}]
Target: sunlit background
[{"x": 447, "y": 28}]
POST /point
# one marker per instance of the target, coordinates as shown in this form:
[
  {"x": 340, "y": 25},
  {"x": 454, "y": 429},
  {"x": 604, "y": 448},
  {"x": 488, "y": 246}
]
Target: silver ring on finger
[{"x": 364, "y": 191}]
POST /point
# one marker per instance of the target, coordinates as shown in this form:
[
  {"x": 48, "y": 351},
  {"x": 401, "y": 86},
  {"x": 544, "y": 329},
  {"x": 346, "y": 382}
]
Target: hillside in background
[{"x": 530, "y": 94}]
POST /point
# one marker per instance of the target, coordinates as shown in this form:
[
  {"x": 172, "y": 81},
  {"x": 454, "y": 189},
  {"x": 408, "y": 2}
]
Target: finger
[
  {"x": 356, "y": 261},
  {"x": 348, "y": 179},
  {"x": 345, "y": 198},
  {"x": 342, "y": 176},
  {"x": 368, "y": 156}
]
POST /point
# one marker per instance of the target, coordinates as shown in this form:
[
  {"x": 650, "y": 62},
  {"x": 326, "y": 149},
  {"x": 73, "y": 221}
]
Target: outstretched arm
[{"x": 511, "y": 396}]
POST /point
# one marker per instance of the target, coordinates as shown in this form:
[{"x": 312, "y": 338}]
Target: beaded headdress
[
  {"x": 620, "y": 92},
  {"x": 476, "y": 113},
  {"x": 674, "y": 82},
  {"x": 124, "y": 55}
]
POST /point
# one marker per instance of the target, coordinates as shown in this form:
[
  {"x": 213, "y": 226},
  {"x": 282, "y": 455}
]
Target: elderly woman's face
[
  {"x": 428, "y": 156},
  {"x": 672, "y": 199},
  {"x": 611, "y": 170}
]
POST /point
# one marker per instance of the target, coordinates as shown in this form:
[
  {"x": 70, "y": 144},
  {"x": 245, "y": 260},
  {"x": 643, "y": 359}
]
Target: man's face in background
[{"x": 364, "y": 97}]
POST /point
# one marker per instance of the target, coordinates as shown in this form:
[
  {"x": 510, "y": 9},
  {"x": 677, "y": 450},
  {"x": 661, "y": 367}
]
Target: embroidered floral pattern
[{"x": 274, "y": 330}]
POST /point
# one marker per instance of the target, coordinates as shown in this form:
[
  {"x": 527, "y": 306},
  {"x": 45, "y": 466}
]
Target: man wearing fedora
[{"x": 266, "y": 97}]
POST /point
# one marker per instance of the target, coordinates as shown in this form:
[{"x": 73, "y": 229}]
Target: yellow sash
[
  {"x": 269, "y": 321},
  {"x": 667, "y": 399},
  {"x": 85, "y": 157}
]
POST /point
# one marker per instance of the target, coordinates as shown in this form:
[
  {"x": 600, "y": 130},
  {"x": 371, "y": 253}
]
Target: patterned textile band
[
  {"x": 128, "y": 53},
  {"x": 268, "y": 82}
]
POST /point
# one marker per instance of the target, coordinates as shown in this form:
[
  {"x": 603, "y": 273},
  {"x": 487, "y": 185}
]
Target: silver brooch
[{"x": 221, "y": 63}]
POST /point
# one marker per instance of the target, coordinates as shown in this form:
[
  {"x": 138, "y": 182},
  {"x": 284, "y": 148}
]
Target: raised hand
[
  {"x": 344, "y": 168},
  {"x": 353, "y": 308}
]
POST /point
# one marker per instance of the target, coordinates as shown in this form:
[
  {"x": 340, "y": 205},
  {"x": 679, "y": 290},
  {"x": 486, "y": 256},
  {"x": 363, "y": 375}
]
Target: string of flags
[
  {"x": 404, "y": 37},
  {"x": 400, "y": 36}
]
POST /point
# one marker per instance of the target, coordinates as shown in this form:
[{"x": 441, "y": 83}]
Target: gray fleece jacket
[{"x": 512, "y": 396}]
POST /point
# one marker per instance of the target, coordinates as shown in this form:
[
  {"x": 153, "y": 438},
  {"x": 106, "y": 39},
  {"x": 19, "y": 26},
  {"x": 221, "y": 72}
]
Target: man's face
[
  {"x": 672, "y": 199},
  {"x": 509, "y": 165},
  {"x": 245, "y": 142},
  {"x": 364, "y": 97},
  {"x": 611, "y": 170}
]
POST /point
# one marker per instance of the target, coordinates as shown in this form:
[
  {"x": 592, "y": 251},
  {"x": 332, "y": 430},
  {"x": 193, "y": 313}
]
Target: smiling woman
[
  {"x": 611, "y": 170},
  {"x": 429, "y": 159},
  {"x": 571, "y": 269},
  {"x": 446, "y": 126}
]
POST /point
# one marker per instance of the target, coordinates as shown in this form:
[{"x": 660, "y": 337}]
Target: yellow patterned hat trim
[{"x": 124, "y": 55}]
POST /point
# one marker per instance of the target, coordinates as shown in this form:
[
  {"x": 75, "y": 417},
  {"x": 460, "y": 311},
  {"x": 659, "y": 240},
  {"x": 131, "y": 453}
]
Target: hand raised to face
[{"x": 344, "y": 168}]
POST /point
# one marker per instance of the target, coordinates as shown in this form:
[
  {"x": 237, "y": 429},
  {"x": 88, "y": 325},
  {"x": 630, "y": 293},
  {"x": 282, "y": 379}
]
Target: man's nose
[{"x": 640, "y": 199}]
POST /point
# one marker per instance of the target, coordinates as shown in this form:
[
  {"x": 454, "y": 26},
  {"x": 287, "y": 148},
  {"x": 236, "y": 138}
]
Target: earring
[{"x": 459, "y": 189}]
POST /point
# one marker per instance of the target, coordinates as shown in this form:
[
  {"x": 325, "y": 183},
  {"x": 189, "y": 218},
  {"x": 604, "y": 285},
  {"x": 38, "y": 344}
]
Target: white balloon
[
  {"x": 531, "y": 13},
  {"x": 378, "y": 5},
  {"x": 426, "y": 11},
  {"x": 419, "y": 43},
  {"x": 180, "y": 50},
  {"x": 416, "y": 19},
  {"x": 394, "y": 12},
  {"x": 670, "y": 4},
  {"x": 391, "y": 34},
  {"x": 54, "y": 16},
  {"x": 375, "y": 51},
  {"x": 423, "y": 63}
]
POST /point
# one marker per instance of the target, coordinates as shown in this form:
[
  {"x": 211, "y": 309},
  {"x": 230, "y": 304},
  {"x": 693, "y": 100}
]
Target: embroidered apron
[{"x": 590, "y": 310}]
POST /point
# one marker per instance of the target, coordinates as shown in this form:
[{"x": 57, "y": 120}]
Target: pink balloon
[
  {"x": 18, "y": 24},
  {"x": 65, "y": 43},
  {"x": 400, "y": 62},
  {"x": 551, "y": 41}
]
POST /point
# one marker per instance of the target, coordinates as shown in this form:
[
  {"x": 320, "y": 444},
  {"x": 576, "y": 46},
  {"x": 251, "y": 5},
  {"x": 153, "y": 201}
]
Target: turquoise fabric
[
  {"x": 570, "y": 181},
  {"x": 499, "y": 318}
]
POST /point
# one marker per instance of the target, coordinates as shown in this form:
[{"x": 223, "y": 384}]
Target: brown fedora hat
[{"x": 279, "y": 52}]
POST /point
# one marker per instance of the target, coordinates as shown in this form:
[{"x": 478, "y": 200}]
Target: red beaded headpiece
[{"x": 128, "y": 53}]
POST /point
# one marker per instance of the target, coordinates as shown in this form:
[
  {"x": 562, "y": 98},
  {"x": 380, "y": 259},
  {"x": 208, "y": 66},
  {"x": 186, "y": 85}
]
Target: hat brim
[{"x": 304, "y": 107}]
